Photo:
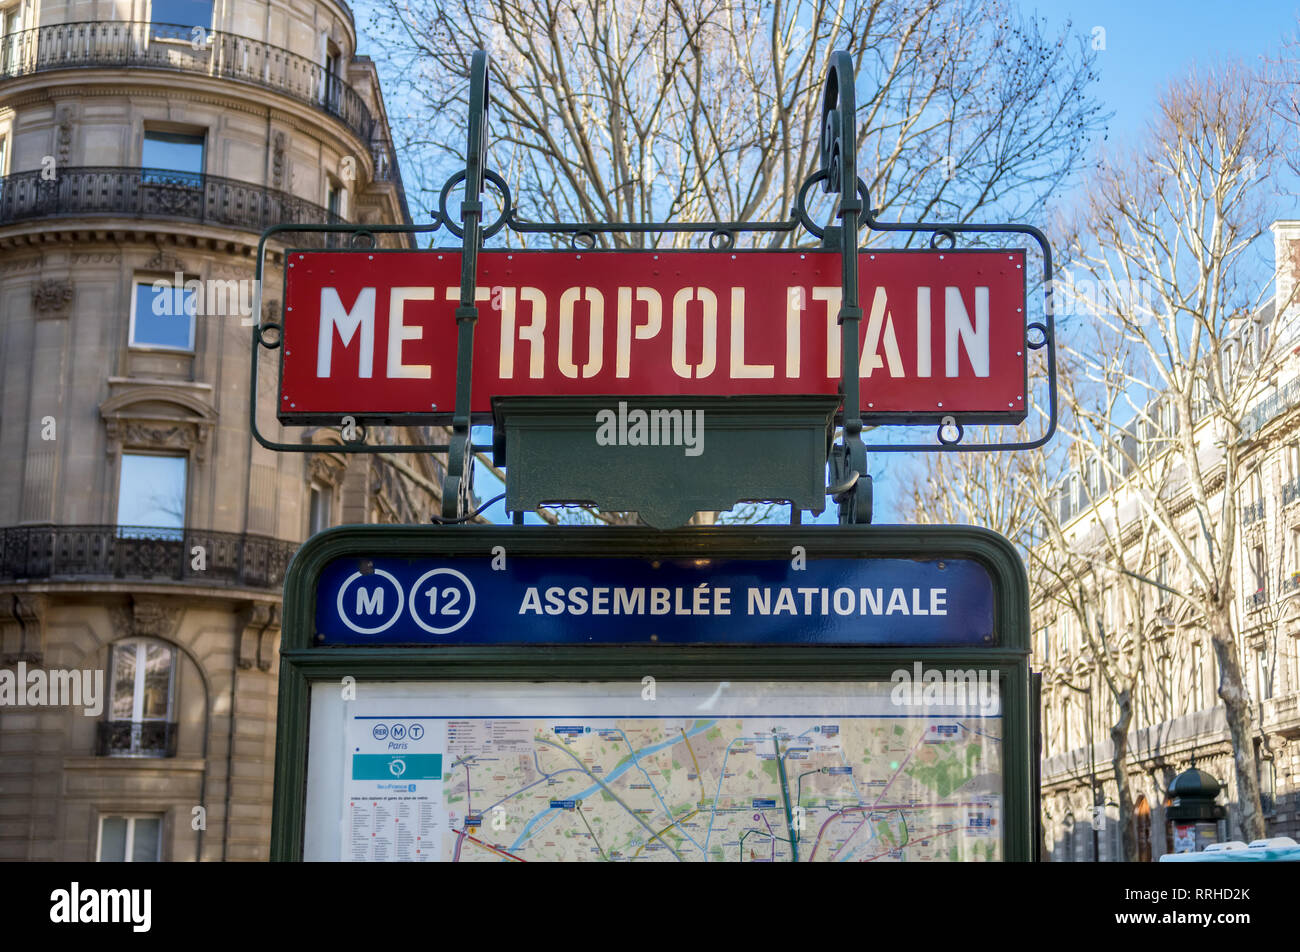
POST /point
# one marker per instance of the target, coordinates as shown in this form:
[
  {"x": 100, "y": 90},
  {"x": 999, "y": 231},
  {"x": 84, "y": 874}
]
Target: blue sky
[{"x": 1150, "y": 42}]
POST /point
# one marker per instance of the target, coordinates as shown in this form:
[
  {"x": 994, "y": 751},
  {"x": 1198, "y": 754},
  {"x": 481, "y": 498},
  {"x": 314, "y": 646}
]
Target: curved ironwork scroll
[{"x": 837, "y": 175}]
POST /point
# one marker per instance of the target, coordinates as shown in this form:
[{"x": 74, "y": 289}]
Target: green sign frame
[{"x": 304, "y": 661}]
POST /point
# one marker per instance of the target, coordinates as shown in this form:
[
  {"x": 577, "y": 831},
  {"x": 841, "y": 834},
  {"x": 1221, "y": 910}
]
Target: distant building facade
[
  {"x": 1177, "y": 714},
  {"x": 144, "y": 148}
]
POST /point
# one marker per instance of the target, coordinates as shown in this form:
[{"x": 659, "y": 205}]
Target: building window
[
  {"x": 1263, "y": 681},
  {"x": 130, "y": 839},
  {"x": 321, "y": 508},
  {"x": 1266, "y": 770},
  {"x": 162, "y": 315},
  {"x": 1092, "y": 471},
  {"x": 1142, "y": 829},
  {"x": 177, "y": 19},
  {"x": 1065, "y": 724},
  {"x": 1198, "y": 678},
  {"x": 140, "y": 713},
  {"x": 332, "y": 91},
  {"x": 335, "y": 200},
  {"x": 172, "y": 158},
  {"x": 11, "y": 22},
  {"x": 1045, "y": 645},
  {"x": 151, "y": 496},
  {"x": 1168, "y": 420},
  {"x": 1260, "y": 571}
]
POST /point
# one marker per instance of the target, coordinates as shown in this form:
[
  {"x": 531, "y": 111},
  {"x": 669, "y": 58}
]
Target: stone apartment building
[
  {"x": 143, "y": 533},
  {"x": 1178, "y": 716}
]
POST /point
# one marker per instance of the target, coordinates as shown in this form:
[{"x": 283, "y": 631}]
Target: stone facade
[
  {"x": 1177, "y": 714},
  {"x": 292, "y": 129}
]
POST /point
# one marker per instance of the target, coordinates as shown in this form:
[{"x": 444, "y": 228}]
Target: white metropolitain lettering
[
  {"x": 639, "y": 315},
  {"x": 399, "y": 333},
  {"x": 532, "y": 334},
  {"x": 958, "y": 328},
  {"x": 709, "y": 329},
  {"x": 654, "y": 303},
  {"x": 347, "y": 322},
  {"x": 595, "y": 332}
]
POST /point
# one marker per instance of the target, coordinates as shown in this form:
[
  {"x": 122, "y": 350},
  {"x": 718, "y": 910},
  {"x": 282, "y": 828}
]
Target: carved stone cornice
[
  {"x": 166, "y": 262},
  {"x": 158, "y": 417},
  {"x": 147, "y": 618},
  {"x": 258, "y": 627},
  {"x": 277, "y": 161},
  {"x": 325, "y": 468},
  {"x": 252, "y": 100},
  {"x": 181, "y": 436},
  {"x": 22, "y": 628},
  {"x": 63, "y": 138},
  {"x": 52, "y": 297}
]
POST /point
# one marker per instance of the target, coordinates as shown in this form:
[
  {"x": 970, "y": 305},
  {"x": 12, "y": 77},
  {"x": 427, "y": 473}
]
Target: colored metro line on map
[
  {"x": 683, "y": 790},
  {"x": 881, "y": 784}
]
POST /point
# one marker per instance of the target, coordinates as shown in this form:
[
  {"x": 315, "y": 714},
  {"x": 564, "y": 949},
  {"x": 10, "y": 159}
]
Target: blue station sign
[{"x": 620, "y": 600}]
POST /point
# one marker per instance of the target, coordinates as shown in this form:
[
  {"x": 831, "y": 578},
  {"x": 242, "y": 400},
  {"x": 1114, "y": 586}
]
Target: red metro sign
[{"x": 372, "y": 334}]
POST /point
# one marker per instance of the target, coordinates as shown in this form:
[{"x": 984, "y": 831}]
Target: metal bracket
[
  {"x": 458, "y": 483},
  {"x": 839, "y": 175}
]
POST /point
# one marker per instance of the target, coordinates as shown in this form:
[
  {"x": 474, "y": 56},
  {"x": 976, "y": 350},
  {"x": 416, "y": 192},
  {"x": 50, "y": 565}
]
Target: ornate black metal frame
[{"x": 851, "y": 486}]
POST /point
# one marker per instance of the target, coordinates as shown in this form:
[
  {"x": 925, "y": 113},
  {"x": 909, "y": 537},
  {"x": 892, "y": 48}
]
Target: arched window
[
  {"x": 1142, "y": 829},
  {"x": 1196, "y": 696},
  {"x": 140, "y": 719}
]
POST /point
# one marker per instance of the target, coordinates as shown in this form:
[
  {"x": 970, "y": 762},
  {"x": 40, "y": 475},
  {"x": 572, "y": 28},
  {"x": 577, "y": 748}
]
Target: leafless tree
[
  {"x": 1095, "y": 562},
  {"x": 1175, "y": 347},
  {"x": 708, "y": 110}
]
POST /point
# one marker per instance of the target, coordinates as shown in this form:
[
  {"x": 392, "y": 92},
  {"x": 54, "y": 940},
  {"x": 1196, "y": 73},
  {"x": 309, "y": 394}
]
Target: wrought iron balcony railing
[
  {"x": 136, "y": 739},
  {"x": 1281, "y": 400},
  {"x": 1290, "y": 582},
  {"x": 140, "y": 553},
  {"x": 135, "y": 44},
  {"x": 384, "y": 157},
  {"x": 1290, "y": 492},
  {"x": 158, "y": 193},
  {"x": 1252, "y": 513},
  {"x": 1257, "y": 600}
]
